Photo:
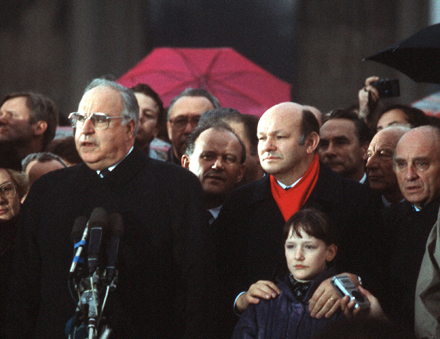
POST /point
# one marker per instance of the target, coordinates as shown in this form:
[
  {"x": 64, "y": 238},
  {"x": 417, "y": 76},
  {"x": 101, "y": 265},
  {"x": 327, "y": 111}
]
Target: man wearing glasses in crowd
[
  {"x": 184, "y": 115},
  {"x": 161, "y": 254}
]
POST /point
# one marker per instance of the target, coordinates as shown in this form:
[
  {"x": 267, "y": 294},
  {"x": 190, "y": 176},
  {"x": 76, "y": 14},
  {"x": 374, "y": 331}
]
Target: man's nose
[
  {"x": 188, "y": 127},
  {"x": 411, "y": 173},
  {"x": 268, "y": 145},
  {"x": 330, "y": 150},
  {"x": 218, "y": 164},
  {"x": 87, "y": 127},
  {"x": 371, "y": 162},
  {"x": 3, "y": 117}
]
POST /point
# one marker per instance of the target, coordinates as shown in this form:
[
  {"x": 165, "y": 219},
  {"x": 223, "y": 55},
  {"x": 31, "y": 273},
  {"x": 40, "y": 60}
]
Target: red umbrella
[{"x": 236, "y": 81}]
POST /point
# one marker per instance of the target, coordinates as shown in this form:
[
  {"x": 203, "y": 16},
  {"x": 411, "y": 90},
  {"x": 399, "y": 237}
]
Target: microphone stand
[
  {"x": 93, "y": 287},
  {"x": 91, "y": 290}
]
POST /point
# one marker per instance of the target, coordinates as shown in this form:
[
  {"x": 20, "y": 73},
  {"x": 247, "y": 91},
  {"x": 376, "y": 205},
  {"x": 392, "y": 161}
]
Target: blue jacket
[{"x": 285, "y": 316}]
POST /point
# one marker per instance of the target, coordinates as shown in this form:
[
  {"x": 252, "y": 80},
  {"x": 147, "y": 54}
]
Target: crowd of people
[{"x": 233, "y": 225}]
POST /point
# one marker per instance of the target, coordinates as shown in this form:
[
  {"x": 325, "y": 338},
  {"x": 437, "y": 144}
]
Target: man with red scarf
[{"x": 250, "y": 251}]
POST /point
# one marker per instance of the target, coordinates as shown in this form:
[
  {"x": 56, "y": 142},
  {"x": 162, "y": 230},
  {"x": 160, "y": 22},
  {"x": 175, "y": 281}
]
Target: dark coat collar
[
  {"x": 322, "y": 192},
  {"x": 173, "y": 158},
  {"x": 120, "y": 176}
]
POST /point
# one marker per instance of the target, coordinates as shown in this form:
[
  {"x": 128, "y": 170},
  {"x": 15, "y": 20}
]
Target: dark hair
[
  {"x": 198, "y": 92},
  {"x": 434, "y": 120},
  {"x": 309, "y": 124},
  {"x": 41, "y": 157},
  {"x": 40, "y": 108},
  {"x": 217, "y": 125},
  {"x": 250, "y": 122},
  {"x": 362, "y": 130},
  {"x": 251, "y": 125},
  {"x": 9, "y": 157},
  {"x": 225, "y": 114},
  {"x": 66, "y": 149},
  {"x": 416, "y": 117},
  {"x": 314, "y": 223},
  {"x": 149, "y": 92}
]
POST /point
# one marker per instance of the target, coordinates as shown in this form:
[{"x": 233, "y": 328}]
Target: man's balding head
[
  {"x": 288, "y": 137},
  {"x": 380, "y": 171},
  {"x": 417, "y": 165}
]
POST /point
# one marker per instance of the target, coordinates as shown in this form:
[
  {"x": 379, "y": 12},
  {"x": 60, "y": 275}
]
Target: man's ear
[
  {"x": 169, "y": 131},
  {"x": 241, "y": 173},
  {"x": 131, "y": 126},
  {"x": 185, "y": 161},
  {"x": 312, "y": 142},
  {"x": 39, "y": 127},
  {"x": 364, "y": 149},
  {"x": 156, "y": 131}
]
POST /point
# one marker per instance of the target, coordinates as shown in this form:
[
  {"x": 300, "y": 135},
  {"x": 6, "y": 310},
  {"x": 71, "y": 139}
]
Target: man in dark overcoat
[
  {"x": 249, "y": 240},
  {"x": 161, "y": 259}
]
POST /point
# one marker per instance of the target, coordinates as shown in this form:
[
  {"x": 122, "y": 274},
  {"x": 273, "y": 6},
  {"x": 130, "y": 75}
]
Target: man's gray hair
[
  {"x": 41, "y": 157},
  {"x": 194, "y": 92},
  {"x": 131, "y": 107}
]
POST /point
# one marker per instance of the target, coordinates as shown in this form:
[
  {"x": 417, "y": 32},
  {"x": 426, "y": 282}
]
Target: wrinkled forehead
[
  {"x": 101, "y": 99},
  {"x": 338, "y": 128},
  {"x": 192, "y": 106},
  {"x": 221, "y": 140},
  {"x": 384, "y": 139},
  {"x": 419, "y": 142}
]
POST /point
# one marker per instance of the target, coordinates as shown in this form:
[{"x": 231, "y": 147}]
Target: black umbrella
[{"x": 418, "y": 56}]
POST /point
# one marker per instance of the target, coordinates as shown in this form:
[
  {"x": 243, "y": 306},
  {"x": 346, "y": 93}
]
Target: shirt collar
[
  {"x": 364, "y": 178},
  {"x": 111, "y": 168},
  {"x": 215, "y": 211},
  {"x": 290, "y": 186}
]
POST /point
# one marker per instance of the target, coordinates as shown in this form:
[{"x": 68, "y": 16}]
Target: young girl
[{"x": 309, "y": 248}]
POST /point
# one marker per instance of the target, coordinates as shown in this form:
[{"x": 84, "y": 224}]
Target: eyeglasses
[
  {"x": 99, "y": 120},
  {"x": 8, "y": 190},
  {"x": 181, "y": 121}
]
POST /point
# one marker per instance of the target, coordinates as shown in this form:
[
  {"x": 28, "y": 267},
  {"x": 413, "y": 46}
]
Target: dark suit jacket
[
  {"x": 250, "y": 230},
  {"x": 161, "y": 258},
  {"x": 403, "y": 244}
]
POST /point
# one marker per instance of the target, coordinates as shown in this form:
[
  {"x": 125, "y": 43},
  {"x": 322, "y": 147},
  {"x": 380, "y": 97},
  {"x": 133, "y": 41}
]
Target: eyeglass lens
[
  {"x": 8, "y": 190},
  {"x": 99, "y": 120},
  {"x": 181, "y": 121}
]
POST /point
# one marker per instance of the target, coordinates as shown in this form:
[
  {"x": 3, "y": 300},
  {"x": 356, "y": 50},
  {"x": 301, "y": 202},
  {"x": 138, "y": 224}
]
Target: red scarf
[{"x": 289, "y": 202}]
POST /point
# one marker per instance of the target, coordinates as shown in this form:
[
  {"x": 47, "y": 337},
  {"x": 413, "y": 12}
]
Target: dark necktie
[
  {"x": 209, "y": 217},
  {"x": 105, "y": 172}
]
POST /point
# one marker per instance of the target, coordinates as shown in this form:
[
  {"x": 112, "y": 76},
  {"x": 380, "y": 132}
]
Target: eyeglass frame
[
  {"x": 90, "y": 116},
  {"x": 188, "y": 118},
  {"x": 2, "y": 192}
]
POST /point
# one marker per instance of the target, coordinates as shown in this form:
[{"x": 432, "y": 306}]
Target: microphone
[
  {"x": 79, "y": 227},
  {"x": 116, "y": 231},
  {"x": 97, "y": 224}
]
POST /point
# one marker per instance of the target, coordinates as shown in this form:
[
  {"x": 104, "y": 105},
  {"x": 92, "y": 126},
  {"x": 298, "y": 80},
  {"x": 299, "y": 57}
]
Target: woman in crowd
[{"x": 13, "y": 187}]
